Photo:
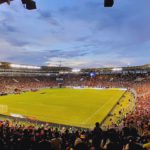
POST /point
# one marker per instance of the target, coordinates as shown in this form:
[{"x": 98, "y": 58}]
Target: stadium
[
  {"x": 74, "y": 75},
  {"x": 46, "y": 96}
]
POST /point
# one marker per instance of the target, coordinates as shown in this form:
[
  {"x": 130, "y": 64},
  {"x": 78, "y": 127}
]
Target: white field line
[{"x": 96, "y": 112}]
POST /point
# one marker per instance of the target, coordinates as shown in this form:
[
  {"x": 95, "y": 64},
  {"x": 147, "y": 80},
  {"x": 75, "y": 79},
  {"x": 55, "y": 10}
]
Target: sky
[{"x": 76, "y": 33}]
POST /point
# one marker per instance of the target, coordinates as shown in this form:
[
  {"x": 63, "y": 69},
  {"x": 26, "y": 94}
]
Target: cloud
[
  {"x": 9, "y": 28},
  {"x": 47, "y": 16},
  {"x": 81, "y": 33}
]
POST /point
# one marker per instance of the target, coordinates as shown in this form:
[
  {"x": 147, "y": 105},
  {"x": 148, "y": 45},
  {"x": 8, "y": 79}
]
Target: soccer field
[{"x": 75, "y": 107}]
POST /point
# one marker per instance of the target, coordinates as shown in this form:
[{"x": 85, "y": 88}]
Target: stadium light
[
  {"x": 24, "y": 1},
  {"x": 108, "y": 3},
  {"x": 117, "y": 69},
  {"x": 5, "y": 1},
  {"x": 76, "y": 70},
  {"x": 24, "y": 66},
  {"x": 29, "y": 4}
]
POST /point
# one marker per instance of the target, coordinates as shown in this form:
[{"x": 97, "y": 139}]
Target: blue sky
[{"x": 78, "y": 33}]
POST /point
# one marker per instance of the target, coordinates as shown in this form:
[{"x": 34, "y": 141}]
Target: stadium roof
[{"x": 7, "y": 65}]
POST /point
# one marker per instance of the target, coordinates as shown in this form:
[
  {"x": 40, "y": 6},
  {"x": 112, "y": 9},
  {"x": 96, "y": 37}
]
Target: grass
[{"x": 74, "y": 107}]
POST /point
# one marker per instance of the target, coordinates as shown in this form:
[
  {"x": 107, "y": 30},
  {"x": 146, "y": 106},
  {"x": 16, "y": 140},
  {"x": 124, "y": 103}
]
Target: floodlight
[
  {"x": 30, "y": 5},
  {"x": 108, "y": 3},
  {"x": 5, "y": 1},
  {"x": 24, "y": 1},
  {"x": 117, "y": 69},
  {"x": 75, "y": 70},
  {"x": 24, "y": 66}
]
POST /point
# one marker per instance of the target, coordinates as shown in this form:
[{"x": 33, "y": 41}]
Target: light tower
[
  {"x": 108, "y": 3},
  {"x": 29, "y": 4}
]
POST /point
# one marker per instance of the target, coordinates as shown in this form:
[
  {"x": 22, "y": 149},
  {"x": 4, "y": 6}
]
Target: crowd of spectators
[
  {"x": 10, "y": 84},
  {"x": 140, "y": 117},
  {"x": 134, "y": 134},
  {"x": 19, "y": 137}
]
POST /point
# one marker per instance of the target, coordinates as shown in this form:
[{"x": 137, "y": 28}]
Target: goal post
[{"x": 3, "y": 109}]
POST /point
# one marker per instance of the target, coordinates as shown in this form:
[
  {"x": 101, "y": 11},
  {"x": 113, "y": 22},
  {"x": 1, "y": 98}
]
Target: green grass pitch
[{"x": 76, "y": 107}]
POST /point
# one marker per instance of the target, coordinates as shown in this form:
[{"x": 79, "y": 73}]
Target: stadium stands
[
  {"x": 133, "y": 133},
  {"x": 14, "y": 136}
]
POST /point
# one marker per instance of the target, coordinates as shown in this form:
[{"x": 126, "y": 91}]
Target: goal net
[{"x": 3, "y": 109}]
